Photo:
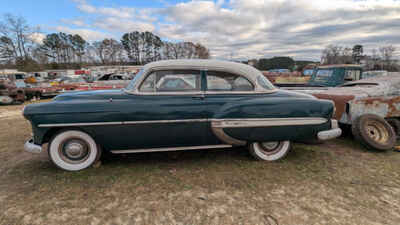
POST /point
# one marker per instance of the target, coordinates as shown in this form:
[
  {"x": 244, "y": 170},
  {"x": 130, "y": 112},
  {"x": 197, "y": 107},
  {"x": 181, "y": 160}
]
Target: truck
[{"x": 327, "y": 76}]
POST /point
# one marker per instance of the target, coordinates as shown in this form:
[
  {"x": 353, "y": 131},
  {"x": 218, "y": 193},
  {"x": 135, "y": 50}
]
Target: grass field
[{"x": 338, "y": 182}]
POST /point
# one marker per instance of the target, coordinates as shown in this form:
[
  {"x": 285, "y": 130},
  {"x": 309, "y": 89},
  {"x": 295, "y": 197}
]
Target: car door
[
  {"x": 223, "y": 88},
  {"x": 166, "y": 112}
]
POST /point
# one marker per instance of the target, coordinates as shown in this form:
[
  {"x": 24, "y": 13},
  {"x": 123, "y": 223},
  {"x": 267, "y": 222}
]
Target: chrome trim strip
[
  {"x": 266, "y": 122},
  {"x": 170, "y": 93},
  {"x": 217, "y": 123},
  {"x": 170, "y": 149},
  {"x": 166, "y": 121},
  {"x": 79, "y": 124},
  {"x": 220, "y": 133},
  {"x": 238, "y": 92}
]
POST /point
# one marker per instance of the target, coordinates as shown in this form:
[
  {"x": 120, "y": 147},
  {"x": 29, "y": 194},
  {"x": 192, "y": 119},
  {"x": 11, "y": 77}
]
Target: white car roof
[{"x": 249, "y": 72}]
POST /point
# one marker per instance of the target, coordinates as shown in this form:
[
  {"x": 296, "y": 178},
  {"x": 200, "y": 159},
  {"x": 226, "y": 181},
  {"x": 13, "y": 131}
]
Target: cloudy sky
[{"x": 230, "y": 28}]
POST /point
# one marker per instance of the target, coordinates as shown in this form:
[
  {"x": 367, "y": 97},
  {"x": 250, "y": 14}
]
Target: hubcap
[
  {"x": 377, "y": 132},
  {"x": 270, "y": 148},
  {"x": 74, "y": 150}
]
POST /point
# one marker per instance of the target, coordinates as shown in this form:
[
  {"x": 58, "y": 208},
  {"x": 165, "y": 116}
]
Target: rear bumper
[
  {"x": 32, "y": 147},
  {"x": 334, "y": 132}
]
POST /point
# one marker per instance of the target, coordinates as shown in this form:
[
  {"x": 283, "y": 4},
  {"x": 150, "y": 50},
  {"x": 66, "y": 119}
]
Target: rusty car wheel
[
  {"x": 269, "y": 151},
  {"x": 374, "y": 132}
]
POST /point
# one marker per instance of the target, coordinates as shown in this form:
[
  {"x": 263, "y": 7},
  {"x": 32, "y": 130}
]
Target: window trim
[
  {"x": 139, "y": 92},
  {"x": 231, "y": 92},
  {"x": 135, "y": 90}
]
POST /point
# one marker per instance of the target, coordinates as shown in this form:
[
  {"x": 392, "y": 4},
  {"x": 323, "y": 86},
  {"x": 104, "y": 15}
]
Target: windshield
[
  {"x": 308, "y": 72},
  {"x": 323, "y": 76},
  {"x": 132, "y": 84}
]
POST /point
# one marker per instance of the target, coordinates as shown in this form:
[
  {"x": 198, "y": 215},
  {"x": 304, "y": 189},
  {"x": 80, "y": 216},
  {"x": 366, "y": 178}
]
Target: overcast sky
[{"x": 236, "y": 28}]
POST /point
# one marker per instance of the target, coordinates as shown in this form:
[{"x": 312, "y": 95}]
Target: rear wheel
[
  {"x": 374, "y": 132},
  {"x": 73, "y": 150},
  {"x": 269, "y": 151}
]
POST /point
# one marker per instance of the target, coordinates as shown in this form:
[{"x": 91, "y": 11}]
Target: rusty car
[
  {"x": 10, "y": 93},
  {"x": 370, "y": 108}
]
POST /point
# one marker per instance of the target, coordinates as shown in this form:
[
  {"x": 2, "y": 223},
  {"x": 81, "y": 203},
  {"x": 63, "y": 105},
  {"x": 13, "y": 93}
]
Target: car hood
[{"x": 99, "y": 94}]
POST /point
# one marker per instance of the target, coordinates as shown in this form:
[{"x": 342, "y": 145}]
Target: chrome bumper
[
  {"x": 334, "y": 132},
  {"x": 32, "y": 148}
]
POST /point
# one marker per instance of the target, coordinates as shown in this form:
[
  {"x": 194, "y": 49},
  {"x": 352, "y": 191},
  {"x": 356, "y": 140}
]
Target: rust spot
[
  {"x": 339, "y": 100},
  {"x": 390, "y": 101}
]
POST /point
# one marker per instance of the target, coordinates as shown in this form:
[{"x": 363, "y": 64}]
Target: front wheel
[
  {"x": 73, "y": 150},
  {"x": 269, "y": 151},
  {"x": 374, "y": 132}
]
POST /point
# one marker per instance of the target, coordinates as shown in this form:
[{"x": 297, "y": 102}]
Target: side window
[
  {"x": 223, "y": 81},
  {"x": 352, "y": 75},
  {"x": 172, "y": 81}
]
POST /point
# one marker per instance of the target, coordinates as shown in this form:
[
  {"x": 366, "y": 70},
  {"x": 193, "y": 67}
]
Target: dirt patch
[
  {"x": 338, "y": 182},
  {"x": 10, "y": 113}
]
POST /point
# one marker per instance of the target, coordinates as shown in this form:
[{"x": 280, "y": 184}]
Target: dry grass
[{"x": 335, "y": 183}]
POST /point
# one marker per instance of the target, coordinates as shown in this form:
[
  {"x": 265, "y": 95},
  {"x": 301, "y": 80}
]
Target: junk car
[
  {"x": 10, "y": 93},
  {"x": 371, "y": 107},
  {"x": 179, "y": 105}
]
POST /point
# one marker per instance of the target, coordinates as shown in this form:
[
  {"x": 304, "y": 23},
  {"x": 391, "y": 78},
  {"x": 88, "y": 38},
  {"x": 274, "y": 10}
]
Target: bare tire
[
  {"x": 374, "y": 132},
  {"x": 73, "y": 150},
  {"x": 269, "y": 151}
]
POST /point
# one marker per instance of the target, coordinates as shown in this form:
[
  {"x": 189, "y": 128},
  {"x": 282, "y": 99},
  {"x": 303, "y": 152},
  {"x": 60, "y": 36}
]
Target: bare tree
[
  {"x": 335, "y": 54},
  {"x": 387, "y": 54},
  {"x": 15, "y": 38},
  {"x": 108, "y": 51},
  {"x": 185, "y": 50},
  {"x": 202, "y": 52}
]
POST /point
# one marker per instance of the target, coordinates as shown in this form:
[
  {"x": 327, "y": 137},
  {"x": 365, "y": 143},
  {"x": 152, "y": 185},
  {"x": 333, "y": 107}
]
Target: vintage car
[
  {"x": 326, "y": 76},
  {"x": 179, "y": 105},
  {"x": 370, "y": 107},
  {"x": 10, "y": 93}
]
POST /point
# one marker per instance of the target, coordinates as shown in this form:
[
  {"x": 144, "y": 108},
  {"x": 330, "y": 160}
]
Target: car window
[
  {"x": 223, "y": 81},
  {"x": 352, "y": 75},
  {"x": 172, "y": 81}
]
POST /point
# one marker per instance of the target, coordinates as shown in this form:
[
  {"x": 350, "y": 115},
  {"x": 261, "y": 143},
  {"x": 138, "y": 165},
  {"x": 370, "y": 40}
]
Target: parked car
[
  {"x": 10, "y": 93},
  {"x": 374, "y": 73},
  {"x": 371, "y": 107},
  {"x": 179, "y": 105}
]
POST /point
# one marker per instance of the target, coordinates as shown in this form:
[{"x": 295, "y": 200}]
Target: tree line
[
  {"x": 19, "y": 48},
  {"x": 382, "y": 58}
]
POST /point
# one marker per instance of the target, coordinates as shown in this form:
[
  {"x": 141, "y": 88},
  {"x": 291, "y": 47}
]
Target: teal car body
[{"x": 217, "y": 113}]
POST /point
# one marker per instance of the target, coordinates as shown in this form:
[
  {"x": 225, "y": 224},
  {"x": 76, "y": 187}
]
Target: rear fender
[{"x": 271, "y": 119}]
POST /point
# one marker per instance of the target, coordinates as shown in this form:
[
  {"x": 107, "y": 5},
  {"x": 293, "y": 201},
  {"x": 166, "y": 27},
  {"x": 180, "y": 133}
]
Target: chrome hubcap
[
  {"x": 270, "y": 145},
  {"x": 270, "y": 148},
  {"x": 74, "y": 151}
]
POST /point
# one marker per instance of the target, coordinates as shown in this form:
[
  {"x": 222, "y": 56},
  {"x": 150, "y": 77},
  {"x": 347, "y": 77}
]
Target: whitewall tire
[
  {"x": 73, "y": 150},
  {"x": 269, "y": 151}
]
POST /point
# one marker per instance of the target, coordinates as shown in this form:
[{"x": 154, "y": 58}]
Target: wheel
[
  {"x": 73, "y": 150},
  {"x": 269, "y": 151},
  {"x": 374, "y": 132}
]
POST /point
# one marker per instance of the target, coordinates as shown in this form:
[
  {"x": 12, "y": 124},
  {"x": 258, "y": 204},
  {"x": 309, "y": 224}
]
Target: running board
[{"x": 170, "y": 149}]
